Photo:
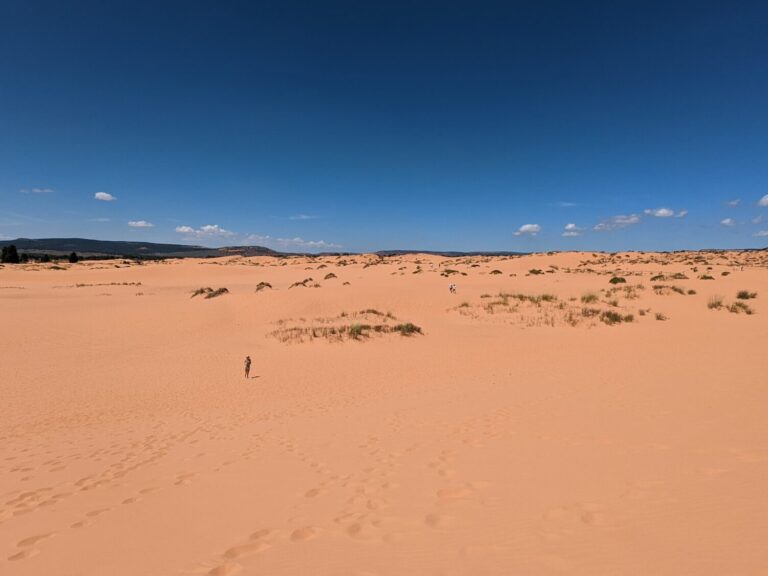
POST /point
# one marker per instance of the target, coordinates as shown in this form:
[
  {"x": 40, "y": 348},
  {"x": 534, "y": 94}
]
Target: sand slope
[{"x": 515, "y": 435}]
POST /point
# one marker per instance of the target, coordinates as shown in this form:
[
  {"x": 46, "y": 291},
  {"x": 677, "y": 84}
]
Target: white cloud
[
  {"x": 733, "y": 203},
  {"x": 302, "y": 217},
  {"x": 289, "y": 243},
  {"x": 209, "y": 231},
  {"x": 757, "y": 219},
  {"x": 763, "y": 201},
  {"x": 140, "y": 224},
  {"x": 101, "y": 220},
  {"x": 620, "y": 221},
  {"x": 104, "y": 197},
  {"x": 728, "y": 222},
  {"x": 531, "y": 229},
  {"x": 37, "y": 190},
  {"x": 665, "y": 213},
  {"x": 761, "y": 233},
  {"x": 571, "y": 230},
  {"x": 564, "y": 204}
]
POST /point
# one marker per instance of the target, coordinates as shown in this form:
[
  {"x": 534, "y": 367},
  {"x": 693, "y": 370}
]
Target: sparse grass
[
  {"x": 263, "y": 286},
  {"x": 495, "y": 272},
  {"x": 329, "y": 276},
  {"x": 658, "y": 278},
  {"x": 448, "y": 272},
  {"x": 535, "y": 271},
  {"x": 216, "y": 293},
  {"x": 746, "y": 295},
  {"x": 739, "y": 307},
  {"x": 666, "y": 289},
  {"x": 660, "y": 316},
  {"x": 201, "y": 291},
  {"x": 464, "y": 305},
  {"x": 618, "y": 280},
  {"x": 691, "y": 292},
  {"x": 303, "y": 283},
  {"x": 706, "y": 277},
  {"x": 679, "y": 276},
  {"x": 724, "y": 273},
  {"x": 715, "y": 302},
  {"x": 407, "y": 329},
  {"x": 589, "y": 298},
  {"x": 485, "y": 295},
  {"x": 610, "y": 317}
]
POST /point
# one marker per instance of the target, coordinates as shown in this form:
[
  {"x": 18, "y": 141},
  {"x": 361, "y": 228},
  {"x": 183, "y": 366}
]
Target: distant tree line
[{"x": 10, "y": 255}]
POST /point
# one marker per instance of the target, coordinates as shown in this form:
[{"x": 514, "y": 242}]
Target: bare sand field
[{"x": 542, "y": 420}]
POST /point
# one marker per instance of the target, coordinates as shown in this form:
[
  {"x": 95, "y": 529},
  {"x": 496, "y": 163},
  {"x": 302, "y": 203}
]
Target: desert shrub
[
  {"x": 739, "y": 307},
  {"x": 658, "y": 278},
  {"x": 610, "y": 317},
  {"x": 706, "y": 277},
  {"x": 485, "y": 295},
  {"x": 679, "y": 276},
  {"x": 358, "y": 330},
  {"x": 590, "y": 312},
  {"x": 535, "y": 271},
  {"x": 495, "y": 272},
  {"x": 464, "y": 305},
  {"x": 660, "y": 316},
  {"x": 618, "y": 280},
  {"x": 691, "y": 292},
  {"x": 407, "y": 329},
  {"x": 216, "y": 293},
  {"x": 73, "y": 259},
  {"x": 448, "y": 272},
  {"x": 746, "y": 295},
  {"x": 263, "y": 286},
  {"x": 589, "y": 298},
  {"x": 724, "y": 273},
  {"x": 330, "y": 275},
  {"x": 201, "y": 291},
  {"x": 303, "y": 283},
  {"x": 715, "y": 302}
]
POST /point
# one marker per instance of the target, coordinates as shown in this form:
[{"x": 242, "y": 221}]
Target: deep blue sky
[{"x": 433, "y": 125}]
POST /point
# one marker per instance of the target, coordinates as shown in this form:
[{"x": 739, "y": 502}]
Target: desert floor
[{"x": 520, "y": 433}]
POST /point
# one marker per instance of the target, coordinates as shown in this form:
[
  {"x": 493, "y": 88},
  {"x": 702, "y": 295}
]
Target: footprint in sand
[
  {"x": 24, "y": 554},
  {"x": 32, "y": 540},
  {"x": 304, "y": 534},
  {"x": 312, "y": 493},
  {"x": 97, "y": 512},
  {"x": 225, "y": 569},
  {"x": 438, "y": 521}
]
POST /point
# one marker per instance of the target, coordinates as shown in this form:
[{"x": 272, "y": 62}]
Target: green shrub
[
  {"x": 589, "y": 298},
  {"x": 618, "y": 280},
  {"x": 407, "y": 329},
  {"x": 746, "y": 295}
]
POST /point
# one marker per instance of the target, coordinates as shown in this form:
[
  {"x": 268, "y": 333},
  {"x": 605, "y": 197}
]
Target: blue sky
[{"x": 365, "y": 126}]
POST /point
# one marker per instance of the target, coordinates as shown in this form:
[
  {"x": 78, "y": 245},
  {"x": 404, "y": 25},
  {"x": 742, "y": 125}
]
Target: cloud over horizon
[
  {"x": 617, "y": 222},
  {"x": 571, "y": 231},
  {"x": 209, "y": 231},
  {"x": 104, "y": 197},
  {"x": 529, "y": 229},
  {"x": 140, "y": 224}
]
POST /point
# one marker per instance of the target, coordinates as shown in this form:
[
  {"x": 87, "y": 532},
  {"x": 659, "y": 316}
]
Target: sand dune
[{"x": 544, "y": 420}]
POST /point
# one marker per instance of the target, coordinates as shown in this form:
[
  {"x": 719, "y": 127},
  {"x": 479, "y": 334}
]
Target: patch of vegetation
[
  {"x": 495, "y": 272},
  {"x": 746, "y": 295},
  {"x": 589, "y": 298},
  {"x": 739, "y": 307},
  {"x": 209, "y": 292},
  {"x": 610, "y": 317},
  {"x": 658, "y": 278},
  {"x": 691, "y": 292},
  {"x": 535, "y": 271},
  {"x": 715, "y": 302},
  {"x": 706, "y": 277},
  {"x": 303, "y": 283},
  {"x": 263, "y": 286},
  {"x": 726, "y": 273},
  {"x": 679, "y": 276},
  {"x": 448, "y": 272},
  {"x": 407, "y": 329},
  {"x": 618, "y": 280},
  {"x": 660, "y": 316},
  {"x": 330, "y": 276}
]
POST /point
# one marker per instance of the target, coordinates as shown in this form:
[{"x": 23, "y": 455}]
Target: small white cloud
[
  {"x": 571, "y": 231},
  {"x": 660, "y": 212},
  {"x": 728, "y": 222},
  {"x": 302, "y": 217},
  {"x": 763, "y": 201},
  {"x": 101, "y": 220},
  {"x": 37, "y": 190},
  {"x": 681, "y": 214},
  {"x": 733, "y": 203},
  {"x": 757, "y": 219},
  {"x": 620, "y": 221},
  {"x": 530, "y": 229},
  {"x": 761, "y": 233},
  {"x": 208, "y": 231},
  {"x": 289, "y": 243},
  {"x": 140, "y": 224},
  {"x": 104, "y": 197}
]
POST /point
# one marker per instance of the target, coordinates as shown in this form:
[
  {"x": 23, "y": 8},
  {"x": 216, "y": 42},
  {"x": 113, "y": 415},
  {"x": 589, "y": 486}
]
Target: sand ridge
[{"x": 523, "y": 430}]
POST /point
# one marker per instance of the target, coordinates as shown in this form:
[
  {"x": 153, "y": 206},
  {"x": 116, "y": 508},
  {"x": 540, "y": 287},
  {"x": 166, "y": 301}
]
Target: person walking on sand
[{"x": 247, "y": 366}]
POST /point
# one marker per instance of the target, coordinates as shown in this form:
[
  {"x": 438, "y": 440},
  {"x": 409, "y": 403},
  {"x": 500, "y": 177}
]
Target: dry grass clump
[
  {"x": 746, "y": 295},
  {"x": 706, "y": 277},
  {"x": 715, "y": 302},
  {"x": 663, "y": 289},
  {"x": 610, "y": 317},
  {"x": 209, "y": 292},
  {"x": 590, "y": 298},
  {"x": 346, "y": 326},
  {"x": 263, "y": 286},
  {"x": 495, "y": 272},
  {"x": 739, "y": 307},
  {"x": 330, "y": 276},
  {"x": 617, "y": 280},
  {"x": 304, "y": 284},
  {"x": 660, "y": 316}
]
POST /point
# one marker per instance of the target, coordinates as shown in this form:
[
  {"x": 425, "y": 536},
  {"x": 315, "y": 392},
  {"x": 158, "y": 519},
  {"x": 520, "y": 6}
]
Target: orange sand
[{"x": 513, "y": 438}]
